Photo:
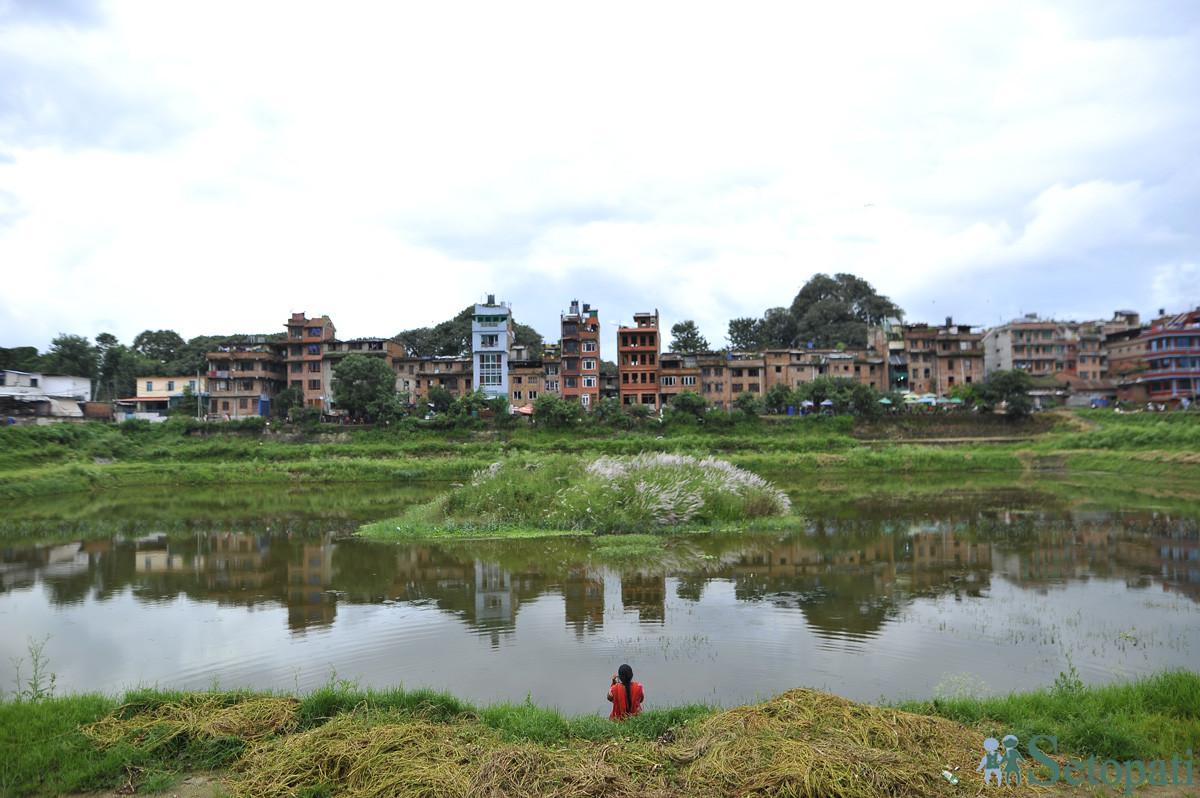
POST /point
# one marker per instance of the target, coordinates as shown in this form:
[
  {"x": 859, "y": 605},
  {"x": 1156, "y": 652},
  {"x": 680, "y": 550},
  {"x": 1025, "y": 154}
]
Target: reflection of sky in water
[{"x": 718, "y": 648}]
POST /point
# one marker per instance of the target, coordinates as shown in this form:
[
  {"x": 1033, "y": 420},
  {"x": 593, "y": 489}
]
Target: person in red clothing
[{"x": 626, "y": 695}]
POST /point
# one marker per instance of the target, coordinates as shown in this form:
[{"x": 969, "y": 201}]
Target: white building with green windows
[{"x": 491, "y": 341}]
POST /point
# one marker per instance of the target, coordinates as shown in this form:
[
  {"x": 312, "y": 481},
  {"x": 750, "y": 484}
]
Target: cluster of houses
[{"x": 1073, "y": 363}]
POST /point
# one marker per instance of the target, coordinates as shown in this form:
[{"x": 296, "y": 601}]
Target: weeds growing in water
[{"x": 40, "y": 684}]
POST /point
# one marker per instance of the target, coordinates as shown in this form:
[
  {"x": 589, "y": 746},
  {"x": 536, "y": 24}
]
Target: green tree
[
  {"x": 288, "y": 400},
  {"x": 363, "y": 386},
  {"x": 158, "y": 346},
  {"x": 438, "y": 399},
  {"x": 745, "y": 334},
  {"x": 778, "y": 397},
  {"x": 553, "y": 412},
  {"x": 690, "y": 403},
  {"x": 1007, "y": 389},
  {"x": 829, "y": 310},
  {"x": 71, "y": 355},
  {"x": 452, "y": 338},
  {"x": 686, "y": 337},
  {"x": 778, "y": 330},
  {"x": 748, "y": 403},
  {"x": 20, "y": 358}
]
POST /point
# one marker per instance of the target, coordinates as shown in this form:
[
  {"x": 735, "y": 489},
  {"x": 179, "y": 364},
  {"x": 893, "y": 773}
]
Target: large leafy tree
[
  {"x": 839, "y": 309},
  {"x": 363, "y": 386},
  {"x": 1007, "y": 389},
  {"x": 453, "y": 338},
  {"x": 20, "y": 358},
  {"x": 686, "y": 337},
  {"x": 745, "y": 334},
  {"x": 159, "y": 346},
  {"x": 71, "y": 355}
]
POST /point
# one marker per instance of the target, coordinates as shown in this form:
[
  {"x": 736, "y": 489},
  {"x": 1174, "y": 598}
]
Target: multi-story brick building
[
  {"x": 940, "y": 358},
  {"x": 304, "y": 358},
  {"x": 637, "y": 360},
  {"x": 527, "y": 376},
  {"x": 677, "y": 373},
  {"x": 244, "y": 377},
  {"x": 580, "y": 364},
  {"x": 1172, "y": 359},
  {"x": 791, "y": 367},
  {"x": 491, "y": 340},
  {"x": 724, "y": 375},
  {"x": 416, "y": 375}
]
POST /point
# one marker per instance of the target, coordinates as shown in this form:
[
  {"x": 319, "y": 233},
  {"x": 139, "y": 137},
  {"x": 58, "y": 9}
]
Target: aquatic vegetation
[{"x": 607, "y": 494}]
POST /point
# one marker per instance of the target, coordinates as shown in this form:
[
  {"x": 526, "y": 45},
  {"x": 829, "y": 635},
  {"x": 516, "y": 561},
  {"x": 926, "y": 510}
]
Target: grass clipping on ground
[{"x": 802, "y": 743}]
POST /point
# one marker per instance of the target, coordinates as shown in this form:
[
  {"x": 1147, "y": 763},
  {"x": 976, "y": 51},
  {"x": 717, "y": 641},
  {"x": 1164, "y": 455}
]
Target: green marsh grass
[
  {"x": 1156, "y": 717},
  {"x": 607, "y": 494}
]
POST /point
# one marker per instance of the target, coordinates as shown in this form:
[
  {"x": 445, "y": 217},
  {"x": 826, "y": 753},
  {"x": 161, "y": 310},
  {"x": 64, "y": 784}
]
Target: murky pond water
[{"x": 887, "y": 589}]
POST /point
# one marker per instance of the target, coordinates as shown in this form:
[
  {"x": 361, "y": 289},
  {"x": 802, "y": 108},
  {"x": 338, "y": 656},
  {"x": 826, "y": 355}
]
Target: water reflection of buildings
[
  {"x": 846, "y": 579},
  {"x": 645, "y": 592},
  {"x": 308, "y": 578},
  {"x": 583, "y": 600}
]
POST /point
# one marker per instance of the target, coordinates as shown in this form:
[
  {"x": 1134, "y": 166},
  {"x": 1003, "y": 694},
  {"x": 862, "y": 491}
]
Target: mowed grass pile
[
  {"x": 605, "y": 494},
  {"x": 802, "y": 743}
]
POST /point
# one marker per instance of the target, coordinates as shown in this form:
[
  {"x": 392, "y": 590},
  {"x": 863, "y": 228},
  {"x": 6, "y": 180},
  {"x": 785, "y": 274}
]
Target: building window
[
  {"x": 589, "y": 346},
  {"x": 170, "y": 385},
  {"x": 192, "y": 384},
  {"x": 516, "y": 394},
  {"x": 736, "y": 387},
  {"x": 314, "y": 366},
  {"x": 570, "y": 382},
  {"x": 489, "y": 341},
  {"x": 668, "y": 381},
  {"x": 589, "y": 382},
  {"x": 688, "y": 380},
  {"x": 314, "y": 385},
  {"x": 551, "y": 369},
  {"x": 552, "y": 386},
  {"x": 533, "y": 394},
  {"x": 225, "y": 405},
  {"x": 149, "y": 385},
  {"x": 589, "y": 365},
  {"x": 245, "y": 385},
  {"x": 243, "y": 403}
]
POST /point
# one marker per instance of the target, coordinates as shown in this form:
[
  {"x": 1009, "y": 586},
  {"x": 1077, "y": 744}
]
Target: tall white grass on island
[{"x": 614, "y": 493}]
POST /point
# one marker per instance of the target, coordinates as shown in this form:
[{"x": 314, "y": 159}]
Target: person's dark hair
[{"x": 625, "y": 675}]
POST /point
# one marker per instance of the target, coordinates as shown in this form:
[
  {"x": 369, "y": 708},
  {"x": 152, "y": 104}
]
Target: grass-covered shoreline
[
  {"x": 342, "y": 740},
  {"x": 42, "y": 461}
]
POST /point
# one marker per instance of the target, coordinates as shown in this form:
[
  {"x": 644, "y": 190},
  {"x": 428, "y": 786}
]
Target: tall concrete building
[{"x": 491, "y": 341}]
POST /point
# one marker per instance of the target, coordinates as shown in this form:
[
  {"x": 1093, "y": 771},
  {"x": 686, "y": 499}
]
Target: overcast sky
[{"x": 212, "y": 167}]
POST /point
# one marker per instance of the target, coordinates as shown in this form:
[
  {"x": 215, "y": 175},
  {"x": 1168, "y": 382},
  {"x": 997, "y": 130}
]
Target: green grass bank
[
  {"x": 40, "y": 461},
  {"x": 342, "y": 740}
]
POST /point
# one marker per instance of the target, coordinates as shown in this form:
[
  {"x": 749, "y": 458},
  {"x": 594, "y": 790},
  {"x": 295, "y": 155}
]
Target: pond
[{"x": 880, "y": 589}]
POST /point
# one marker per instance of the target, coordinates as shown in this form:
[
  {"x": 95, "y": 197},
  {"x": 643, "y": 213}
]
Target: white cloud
[{"x": 212, "y": 168}]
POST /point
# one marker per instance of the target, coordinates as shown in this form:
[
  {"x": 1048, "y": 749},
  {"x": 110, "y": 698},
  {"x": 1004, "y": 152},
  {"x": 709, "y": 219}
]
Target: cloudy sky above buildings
[{"x": 212, "y": 167}]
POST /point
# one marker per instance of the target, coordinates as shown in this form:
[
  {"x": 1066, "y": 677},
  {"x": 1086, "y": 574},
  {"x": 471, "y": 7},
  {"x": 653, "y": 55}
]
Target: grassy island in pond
[{"x": 606, "y": 494}]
